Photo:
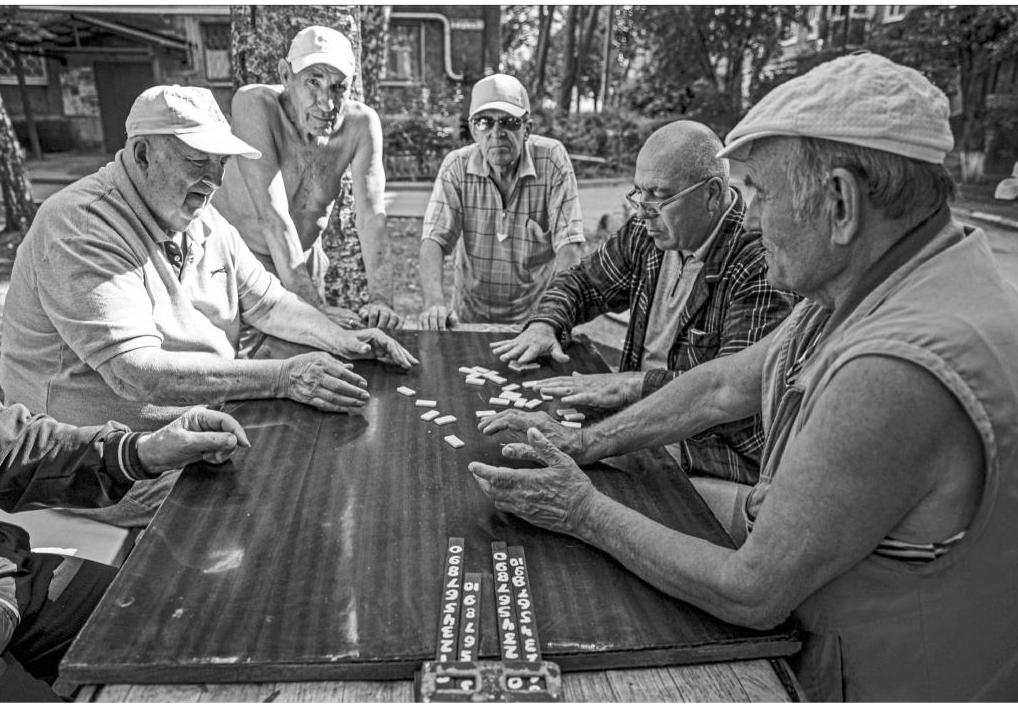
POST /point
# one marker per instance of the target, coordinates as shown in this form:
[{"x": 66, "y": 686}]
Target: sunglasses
[
  {"x": 483, "y": 123},
  {"x": 652, "y": 208}
]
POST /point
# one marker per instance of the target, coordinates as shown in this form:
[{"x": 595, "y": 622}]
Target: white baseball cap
[
  {"x": 499, "y": 92},
  {"x": 1008, "y": 188},
  {"x": 322, "y": 45},
  {"x": 191, "y": 114},
  {"x": 862, "y": 99}
]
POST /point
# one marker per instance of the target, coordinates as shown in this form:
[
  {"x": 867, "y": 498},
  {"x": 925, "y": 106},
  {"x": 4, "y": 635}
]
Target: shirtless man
[{"x": 309, "y": 133}]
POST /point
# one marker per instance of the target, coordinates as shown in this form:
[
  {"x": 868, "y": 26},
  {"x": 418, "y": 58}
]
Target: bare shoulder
[
  {"x": 360, "y": 117},
  {"x": 255, "y": 101}
]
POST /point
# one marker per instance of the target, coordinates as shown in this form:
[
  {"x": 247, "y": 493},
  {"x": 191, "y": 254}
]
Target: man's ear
[
  {"x": 844, "y": 194},
  {"x": 141, "y": 150},
  {"x": 285, "y": 72},
  {"x": 528, "y": 128}
]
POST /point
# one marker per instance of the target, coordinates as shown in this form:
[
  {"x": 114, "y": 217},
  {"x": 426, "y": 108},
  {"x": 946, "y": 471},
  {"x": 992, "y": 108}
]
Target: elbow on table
[{"x": 756, "y": 604}]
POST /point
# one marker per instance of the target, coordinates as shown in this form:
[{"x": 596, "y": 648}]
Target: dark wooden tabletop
[{"x": 318, "y": 553}]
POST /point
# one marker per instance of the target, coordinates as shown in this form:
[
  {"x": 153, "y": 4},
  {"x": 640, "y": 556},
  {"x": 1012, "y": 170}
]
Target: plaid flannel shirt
[
  {"x": 500, "y": 281},
  {"x": 730, "y": 307}
]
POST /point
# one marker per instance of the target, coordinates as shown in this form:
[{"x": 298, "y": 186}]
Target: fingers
[
  {"x": 546, "y": 450},
  {"x": 556, "y": 385},
  {"x": 500, "y": 347},
  {"x": 215, "y": 448},
  {"x": 370, "y": 316},
  {"x": 386, "y": 349},
  {"x": 521, "y": 451},
  {"x": 557, "y": 354},
  {"x": 201, "y": 419},
  {"x": 352, "y": 345},
  {"x": 491, "y": 477},
  {"x": 434, "y": 318},
  {"x": 511, "y": 420}
]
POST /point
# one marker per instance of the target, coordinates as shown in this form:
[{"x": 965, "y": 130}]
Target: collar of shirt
[{"x": 479, "y": 166}]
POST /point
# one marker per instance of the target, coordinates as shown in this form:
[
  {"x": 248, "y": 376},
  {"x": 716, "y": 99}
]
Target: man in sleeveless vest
[{"x": 883, "y": 522}]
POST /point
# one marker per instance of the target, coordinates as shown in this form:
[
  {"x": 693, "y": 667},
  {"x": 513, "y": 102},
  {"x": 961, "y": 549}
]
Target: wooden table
[{"x": 258, "y": 572}]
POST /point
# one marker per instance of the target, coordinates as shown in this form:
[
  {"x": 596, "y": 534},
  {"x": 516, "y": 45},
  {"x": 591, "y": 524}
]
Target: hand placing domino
[{"x": 406, "y": 391}]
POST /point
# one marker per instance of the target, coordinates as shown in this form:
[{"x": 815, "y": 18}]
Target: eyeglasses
[
  {"x": 652, "y": 208},
  {"x": 484, "y": 123}
]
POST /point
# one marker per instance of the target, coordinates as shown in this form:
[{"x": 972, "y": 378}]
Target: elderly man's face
[
  {"x": 317, "y": 94},
  {"x": 798, "y": 251},
  {"x": 500, "y": 144},
  {"x": 676, "y": 214},
  {"x": 179, "y": 180}
]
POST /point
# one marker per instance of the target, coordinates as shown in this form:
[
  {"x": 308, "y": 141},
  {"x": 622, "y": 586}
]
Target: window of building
[
  {"x": 894, "y": 13},
  {"x": 859, "y": 12},
  {"x": 836, "y": 13},
  {"x": 789, "y": 33},
  {"x": 813, "y": 22},
  {"x": 405, "y": 60},
  {"x": 215, "y": 38},
  {"x": 34, "y": 66}
]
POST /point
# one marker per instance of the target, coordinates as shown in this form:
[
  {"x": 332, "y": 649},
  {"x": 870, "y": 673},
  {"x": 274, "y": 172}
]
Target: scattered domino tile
[
  {"x": 546, "y": 397},
  {"x": 445, "y": 420},
  {"x": 530, "y": 384},
  {"x": 520, "y": 403},
  {"x": 430, "y": 415},
  {"x": 510, "y": 387},
  {"x": 454, "y": 441},
  {"x": 511, "y": 395},
  {"x": 406, "y": 391},
  {"x": 485, "y": 413},
  {"x": 533, "y": 403},
  {"x": 574, "y": 416},
  {"x": 474, "y": 380},
  {"x": 563, "y": 412},
  {"x": 571, "y": 424},
  {"x": 466, "y": 370},
  {"x": 482, "y": 370},
  {"x": 425, "y": 403},
  {"x": 495, "y": 378},
  {"x": 498, "y": 401},
  {"x": 517, "y": 367}
]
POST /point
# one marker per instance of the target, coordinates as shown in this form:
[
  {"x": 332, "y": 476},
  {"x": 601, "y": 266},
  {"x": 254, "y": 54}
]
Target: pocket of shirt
[{"x": 702, "y": 344}]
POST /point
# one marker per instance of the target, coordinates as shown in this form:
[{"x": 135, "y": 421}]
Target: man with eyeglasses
[
  {"x": 695, "y": 283},
  {"x": 508, "y": 205},
  {"x": 283, "y": 204}
]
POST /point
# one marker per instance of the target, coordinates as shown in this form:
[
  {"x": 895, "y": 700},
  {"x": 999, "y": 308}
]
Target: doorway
[{"x": 117, "y": 84}]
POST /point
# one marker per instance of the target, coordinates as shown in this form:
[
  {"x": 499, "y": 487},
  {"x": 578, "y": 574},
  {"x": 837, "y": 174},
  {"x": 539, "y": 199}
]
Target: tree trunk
[
  {"x": 545, "y": 17},
  {"x": 593, "y": 12},
  {"x": 26, "y": 104},
  {"x": 606, "y": 58},
  {"x": 374, "y": 46},
  {"x": 974, "y": 71},
  {"x": 15, "y": 187},
  {"x": 261, "y": 36},
  {"x": 569, "y": 61}
]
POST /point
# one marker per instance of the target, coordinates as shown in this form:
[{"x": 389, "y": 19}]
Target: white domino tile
[
  {"x": 454, "y": 441},
  {"x": 571, "y": 424},
  {"x": 406, "y": 391},
  {"x": 445, "y": 420},
  {"x": 485, "y": 413},
  {"x": 425, "y": 403},
  {"x": 431, "y": 415},
  {"x": 498, "y": 401}
]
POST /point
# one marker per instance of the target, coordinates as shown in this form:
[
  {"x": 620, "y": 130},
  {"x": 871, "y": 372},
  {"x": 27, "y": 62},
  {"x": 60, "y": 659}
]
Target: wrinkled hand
[
  {"x": 383, "y": 348},
  {"x": 198, "y": 434},
  {"x": 554, "y": 497},
  {"x": 516, "y": 424},
  {"x": 537, "y": 340},
  {"x": 438, "y": 318},
  {"x": 380, "y": 315},
  {"x": 598, "y": 390},
  {"x": 343, "y": 317},
  {"x": 320, "y": 380}
]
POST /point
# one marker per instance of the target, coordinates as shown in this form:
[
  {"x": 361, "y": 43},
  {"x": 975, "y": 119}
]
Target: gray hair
[{"x": 895, "y": 185}]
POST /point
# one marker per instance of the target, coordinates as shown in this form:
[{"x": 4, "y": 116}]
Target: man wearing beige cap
[
  {"x": 885, "y": 516},
  {"x": 128, "y": 292},
  {"x": 508, "y": 205},
  {"x": 309, "y": 132}
]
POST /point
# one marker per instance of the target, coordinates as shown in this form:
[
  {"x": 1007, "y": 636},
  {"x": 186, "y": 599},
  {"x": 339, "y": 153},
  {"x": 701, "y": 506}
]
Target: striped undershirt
[{"x": 916, "y": 552}]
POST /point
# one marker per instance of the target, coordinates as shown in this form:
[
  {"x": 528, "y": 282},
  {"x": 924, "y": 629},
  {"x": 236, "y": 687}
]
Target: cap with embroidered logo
[
  {"x": 863, "y": 99},
  {"x": 499, "y": 92},
  {"x": 189, "y": 113},
  {"x": 322, "y": 45}
]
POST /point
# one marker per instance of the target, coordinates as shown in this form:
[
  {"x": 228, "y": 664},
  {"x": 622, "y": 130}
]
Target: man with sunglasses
[
  {"x": 309, "y": 132},
  {"x": 508, "y": 205},
  {"x": 695, "y": 283}
]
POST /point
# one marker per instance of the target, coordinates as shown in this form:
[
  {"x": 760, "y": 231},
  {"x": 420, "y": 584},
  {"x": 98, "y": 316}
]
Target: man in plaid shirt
[
  {"x": 509, "y": 206},
  {"x": 695, "y": 283}
]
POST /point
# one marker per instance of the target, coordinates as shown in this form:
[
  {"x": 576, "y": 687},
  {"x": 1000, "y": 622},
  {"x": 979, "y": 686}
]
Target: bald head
[{"x": 684, "y": 150}]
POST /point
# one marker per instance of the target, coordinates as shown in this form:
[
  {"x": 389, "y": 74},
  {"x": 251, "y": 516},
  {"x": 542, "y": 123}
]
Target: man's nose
[{"x": 214, "y": 175}]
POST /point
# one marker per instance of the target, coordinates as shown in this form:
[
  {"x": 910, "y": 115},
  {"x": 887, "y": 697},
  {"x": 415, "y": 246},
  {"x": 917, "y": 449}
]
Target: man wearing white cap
[
  {"x": 128, "y": 292},
  {"x": 885, "y": 516},
  {"x": 309, "y": 132},
  {"x": 508, "y": 204}
]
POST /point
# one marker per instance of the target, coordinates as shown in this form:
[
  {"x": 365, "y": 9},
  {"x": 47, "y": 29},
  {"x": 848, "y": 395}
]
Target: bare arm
[
  {"x": 436, "y": 316},
  {"x": 369, "y": 197},
  {"x": 718, "y": 391},
  {"x": 264, "y": 181},
  {"x": 844, "y": 483}
]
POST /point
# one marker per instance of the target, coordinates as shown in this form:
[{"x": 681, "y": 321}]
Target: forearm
[
  {"x": 431, "y": 259},
  {"x": 45, "y": 462},
  {"x": 706, "y": 575},
  {"x": 288, "y": 259},
  {"x": 374, "y": 240}
]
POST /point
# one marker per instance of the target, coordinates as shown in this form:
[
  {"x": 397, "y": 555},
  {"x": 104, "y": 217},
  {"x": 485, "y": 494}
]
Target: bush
[{"x": 413, "y": 147}]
